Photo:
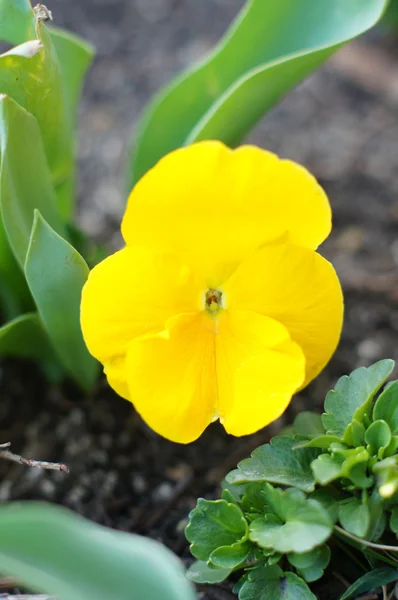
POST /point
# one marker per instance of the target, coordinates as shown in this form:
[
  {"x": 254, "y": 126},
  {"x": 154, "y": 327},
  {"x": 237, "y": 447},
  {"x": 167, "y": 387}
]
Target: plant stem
[{"x": 366, "y": 543}]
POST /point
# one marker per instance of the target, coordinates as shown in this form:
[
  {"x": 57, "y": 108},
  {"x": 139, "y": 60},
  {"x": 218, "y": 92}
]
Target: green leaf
[
  {"x": 271, "y": 583},
  {"x": 229, "y": 557},
  {"x": 268, "y": 49},
  {"x": 354, "y": 516},
  {"x": 370, "y": 582},
  {"x": 386, "y": 472},
  {"x": 23, "y": 191},
  {"x": 201, "y": 572},
  {"x": 311, "y": 565},
  {"x": 214, "y": 524},
  {"x": 296, "y": 525},
  {"x": 378, "y": 437},
  {"x": 277, "y": 462},
  {"x": 357, "y": 432},
  {"x": 394, "y": 520},
  {"x": 75, "y": 56},
  {"x": 16, "y": 21},
  {"x": 353, "y": 395},
  {"x": 329, "y": 498},
  {"x": 52, "y": 550},
  {"x": 56, "y": 273},
  {"x": 308, "y": 424},
  {"x": 321, "y": 441},
  {"x": 386, "y": 407},
  {"x": 327, "y": 468},
  {"x": 254, "y": 499}
]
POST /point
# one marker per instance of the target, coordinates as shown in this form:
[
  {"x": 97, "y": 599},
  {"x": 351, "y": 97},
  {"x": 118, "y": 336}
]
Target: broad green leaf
[
  {"x": 371, "y": 581},
  {"x": 308, "y": 423},
  {"x": 296, "y": 524},
  {"x": 201, "y": 572},
  {"x": 378, "y": 437},
  {"x": 354, "y": 516},
  {"x": 271, "y": 583},
  {"x": 353, "y": 395},
  {"x": 25, "y": 182},
  {"x": 277, "y": 462},
  {"x": 229, "y": 557},
  {"x": 386, "y": 407},
  {"x": 214, "y": 524},
  {"x": 16, "y": 21},
  {"x": 311, "y": 565},
  {"x": 56, "y": 273},
  {"x": 269, "y": 48},
  {"x": 75, "y": 56},
  {"x": 24, "y": 337},
  {"x": 54, "y": 551}
]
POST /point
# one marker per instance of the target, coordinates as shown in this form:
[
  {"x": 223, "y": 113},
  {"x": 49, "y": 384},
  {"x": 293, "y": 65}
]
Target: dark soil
[{"x": 345, "y": 130}]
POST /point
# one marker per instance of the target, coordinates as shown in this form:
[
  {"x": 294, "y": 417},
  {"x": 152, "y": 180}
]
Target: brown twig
[{"x": 41, "y": 464}]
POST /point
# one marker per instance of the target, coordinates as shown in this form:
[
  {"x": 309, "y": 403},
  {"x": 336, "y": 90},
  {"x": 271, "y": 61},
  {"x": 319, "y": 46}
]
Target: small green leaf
[
  {"x": 229, "y": 557},
  {"x": 378, "y": 437},
  {"x": 394, "y": 520},
  {"x": 20, "y": 144},
  {"x": 254, "y": 499},
  {"x": 201, "y": 572},
  {"x": 353, "y": 395},
  {"x": 308, "y": 424},
  {"x": 378, "y": 520},
  {"x": 214, "y": 524},
  {"x": 271, "y": 583},
  {"x": 327, "y": 468},
  {"x": 56, "y": 273},
  {"x": 386, "y": 407},
  {"x": 357, "y": 431},
  {"x": 296, "y": 525},
  {"x": 313, "y": 567},
  {"x": 370, "y": 582},
  {"x": 321, "y": 441},
  {"x": 76, "y": 559},
  {"x": 355, "y": 517},
  {"x": 277, "y": 462}
]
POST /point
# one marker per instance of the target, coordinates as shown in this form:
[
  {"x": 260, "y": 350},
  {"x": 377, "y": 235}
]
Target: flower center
[{"x": 213, "y": 301}]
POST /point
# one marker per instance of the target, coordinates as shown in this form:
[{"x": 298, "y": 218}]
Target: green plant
[
  {"x": 41, "y": 273},
  {"x": 49, "y": 549},
  {"x": 330, "y": 483}
]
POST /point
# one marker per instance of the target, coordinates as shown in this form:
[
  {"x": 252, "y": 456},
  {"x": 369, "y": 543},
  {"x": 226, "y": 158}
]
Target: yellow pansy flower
[{"x": 218, "y": 307}]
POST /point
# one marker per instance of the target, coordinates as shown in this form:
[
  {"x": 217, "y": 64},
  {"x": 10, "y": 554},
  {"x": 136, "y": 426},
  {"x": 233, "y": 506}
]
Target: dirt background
[{"x": 341, "y": 123}]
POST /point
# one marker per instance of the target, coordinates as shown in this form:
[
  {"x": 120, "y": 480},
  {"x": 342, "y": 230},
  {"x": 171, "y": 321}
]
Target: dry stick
[{"x": 41, "y": 464}]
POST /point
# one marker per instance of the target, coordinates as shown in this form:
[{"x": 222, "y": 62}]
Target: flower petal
[
  {"x": 133, "y": 293},
  {"x": 215, "y": 206},
  {"x": 258, "y": 370},
  {"x": 297, "y": 287},
  {"x": 172, "y": 380}
]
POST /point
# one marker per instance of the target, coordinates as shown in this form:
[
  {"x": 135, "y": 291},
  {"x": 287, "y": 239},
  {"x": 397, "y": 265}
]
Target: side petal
[
  {"x": 171, "y": 378},
  {"x": 133, "y": 293},
  {"x": 297, "y": 287},
  {"x": 215, "y": 206},
  {"x": 258, "y": 370}
]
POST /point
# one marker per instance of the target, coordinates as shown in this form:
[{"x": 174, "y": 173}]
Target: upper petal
[
  {"x": 171, "y": 378},
  {"x": 258, "y": 370},
  {"x": 132, "y": 293},
  {"x": 297, "y": 287},
  {"x": 215, "y": 205}
]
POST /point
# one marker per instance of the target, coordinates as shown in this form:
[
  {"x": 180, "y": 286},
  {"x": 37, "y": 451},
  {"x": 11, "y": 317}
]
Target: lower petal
[
  {"x": 171, "y": 377},
  {"x": 259, "y": 368}
]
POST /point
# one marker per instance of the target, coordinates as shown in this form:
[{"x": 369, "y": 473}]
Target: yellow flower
[{"x": 218, "y": 307}]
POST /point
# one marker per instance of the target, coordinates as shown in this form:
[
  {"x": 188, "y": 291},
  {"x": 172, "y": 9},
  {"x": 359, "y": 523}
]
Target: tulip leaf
[
  {"x": 371, "y": 581},
  {"x": 25, "y": 337},
  {"x": 51, "y": 550},
  {"x": 56, "y": 273},
  {"x": 268, "y": 49},
  {"x": 16, "y": 21},
  {"x": 25, "y": 183},
  {"x": 278, "y": 462},
  {"x": 271, "y": 583},
  {"x": 296, "y": 523},
  {"x": 202, "y": 572},
  {"x": 353, "y": 395},
  {"x": 214, "y": 524}
]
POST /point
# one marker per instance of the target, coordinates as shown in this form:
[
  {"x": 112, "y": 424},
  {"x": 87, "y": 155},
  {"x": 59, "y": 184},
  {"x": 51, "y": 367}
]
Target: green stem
[
  {"x": 366, "y": 543},
  {"x": 359, "y": 543}
]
